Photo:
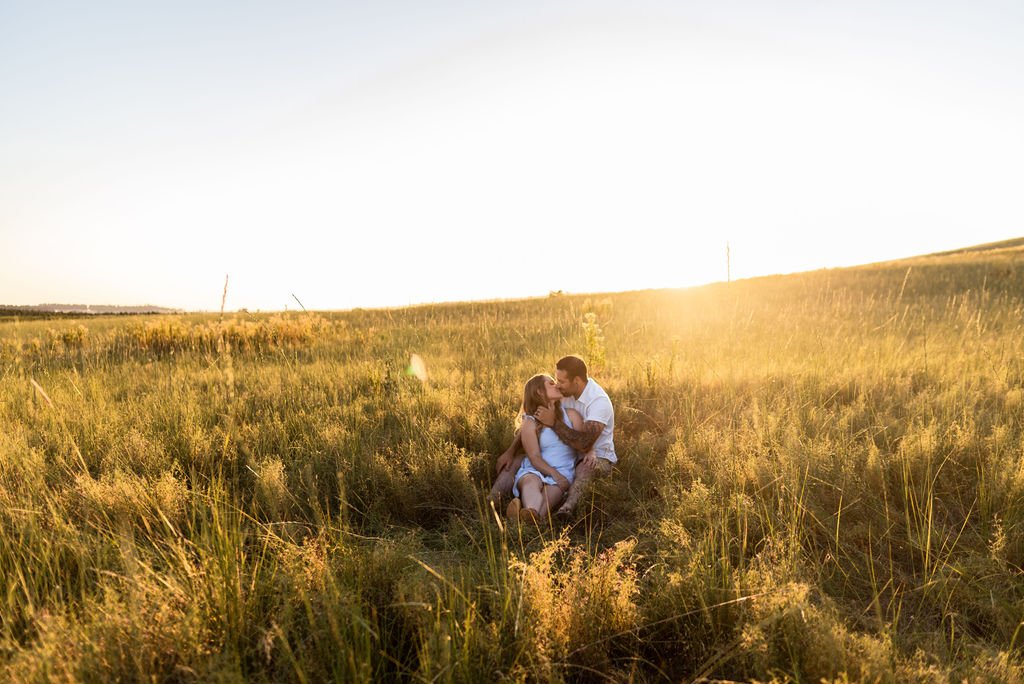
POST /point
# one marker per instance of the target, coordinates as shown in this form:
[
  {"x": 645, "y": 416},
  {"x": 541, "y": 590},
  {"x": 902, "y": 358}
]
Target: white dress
[{"x": 553, "y": 450}]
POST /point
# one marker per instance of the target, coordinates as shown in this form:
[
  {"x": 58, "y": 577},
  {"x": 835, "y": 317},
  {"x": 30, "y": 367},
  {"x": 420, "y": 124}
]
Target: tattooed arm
[
  {"x": 588, "y": 457},
  {"x": 580, "y": 440}
]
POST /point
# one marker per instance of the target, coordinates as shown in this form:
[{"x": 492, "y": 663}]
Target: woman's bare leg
[
  {"x": 531, "y": 493},
  {"x": 502, "y": 488},
  {"x": 552, "y": 497}
]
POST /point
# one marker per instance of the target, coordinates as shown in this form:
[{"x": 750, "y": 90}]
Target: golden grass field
[{"x": 820, "y": 478}]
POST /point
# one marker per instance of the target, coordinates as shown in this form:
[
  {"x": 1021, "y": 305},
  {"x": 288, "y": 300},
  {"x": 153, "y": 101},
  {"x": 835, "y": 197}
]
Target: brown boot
[
  {"x": 515, "y": 507},
  {"x": 528, "y": 515}
]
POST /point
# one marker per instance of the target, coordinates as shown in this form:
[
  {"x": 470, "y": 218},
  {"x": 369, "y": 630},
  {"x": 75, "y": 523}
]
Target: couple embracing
[{"x": 565, "y": 427}]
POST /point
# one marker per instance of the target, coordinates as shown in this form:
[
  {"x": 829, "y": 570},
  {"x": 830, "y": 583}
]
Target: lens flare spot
[{"x": 417, "y": 368}]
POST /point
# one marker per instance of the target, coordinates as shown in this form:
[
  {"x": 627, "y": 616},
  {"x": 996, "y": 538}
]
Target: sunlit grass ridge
[{"x": 820, "y": 477}]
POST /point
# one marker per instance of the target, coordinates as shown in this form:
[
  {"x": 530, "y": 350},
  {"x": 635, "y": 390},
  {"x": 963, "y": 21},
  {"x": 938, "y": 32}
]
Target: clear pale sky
[{"x": 395, "y": 152}]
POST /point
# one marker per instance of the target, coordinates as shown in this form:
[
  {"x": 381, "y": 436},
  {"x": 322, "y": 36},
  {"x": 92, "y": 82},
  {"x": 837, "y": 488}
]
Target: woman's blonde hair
[{"x": 534, "y": 396}]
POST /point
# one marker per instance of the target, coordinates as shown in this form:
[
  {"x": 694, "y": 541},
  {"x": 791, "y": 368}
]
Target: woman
[{"x": 547, "y": 471}]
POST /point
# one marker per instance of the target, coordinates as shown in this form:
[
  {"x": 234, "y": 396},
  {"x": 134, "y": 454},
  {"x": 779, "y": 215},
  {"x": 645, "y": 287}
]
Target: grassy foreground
[{"x": 820, "y": 478}]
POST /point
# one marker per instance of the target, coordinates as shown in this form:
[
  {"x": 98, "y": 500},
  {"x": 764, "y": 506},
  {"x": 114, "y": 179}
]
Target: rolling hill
[{"x": 820, "y": 478}]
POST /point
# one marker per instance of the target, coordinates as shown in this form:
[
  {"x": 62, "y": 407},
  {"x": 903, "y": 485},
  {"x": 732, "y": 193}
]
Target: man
[{"x": 594, "y": 441}]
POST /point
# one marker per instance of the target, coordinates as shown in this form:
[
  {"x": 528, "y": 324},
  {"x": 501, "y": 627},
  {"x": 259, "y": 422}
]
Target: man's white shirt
[{"x": 594, "y": 404}]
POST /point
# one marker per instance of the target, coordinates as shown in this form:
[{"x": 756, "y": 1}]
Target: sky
[{"x": 348, "y": 154}]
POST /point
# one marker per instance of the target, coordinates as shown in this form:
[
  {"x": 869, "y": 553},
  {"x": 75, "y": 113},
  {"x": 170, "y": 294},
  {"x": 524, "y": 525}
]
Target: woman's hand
[{"x": 562, "y": 483}]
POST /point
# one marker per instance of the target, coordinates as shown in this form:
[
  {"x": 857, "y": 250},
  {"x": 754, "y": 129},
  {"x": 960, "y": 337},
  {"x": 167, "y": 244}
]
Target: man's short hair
[{"x": 574, "y": 366}]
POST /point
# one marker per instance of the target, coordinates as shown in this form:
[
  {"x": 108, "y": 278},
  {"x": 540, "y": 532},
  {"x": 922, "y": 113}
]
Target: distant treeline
[{"x": 75, "y": 310}]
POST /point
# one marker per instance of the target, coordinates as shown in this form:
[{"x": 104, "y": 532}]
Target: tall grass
[{"x": 820, "y": 479}]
